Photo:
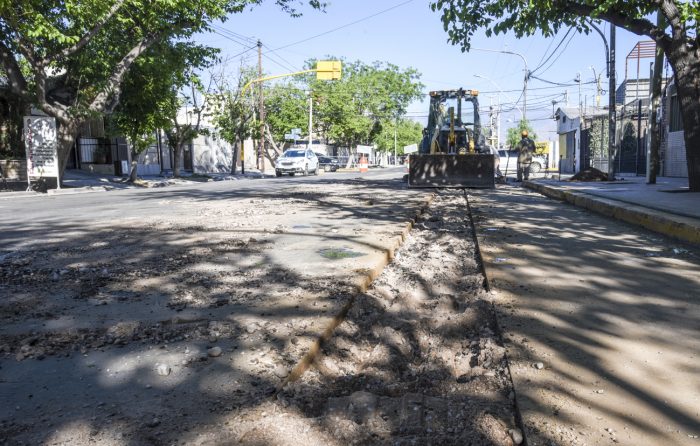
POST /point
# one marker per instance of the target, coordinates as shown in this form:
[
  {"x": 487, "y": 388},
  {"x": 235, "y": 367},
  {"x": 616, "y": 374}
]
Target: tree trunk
[
  {"x": 688, "y": 84},
  {"x": 66, "y": 133},
  {"x": 685, "y": 63},
  {"x": 133, "y": 173},
  {"x": 276, "y": 151},
  {"x": 690, "y": 106},
  {"x": 177, "y": 150},
  {"x": 234, "y": 160}
]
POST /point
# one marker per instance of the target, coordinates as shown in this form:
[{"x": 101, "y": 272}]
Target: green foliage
[
  {"x": 462, "y": 18},
  {"x": 286, "y": 108},
  {"x": 628, "y": 145},
  {"x": 151, "y": 92},
  {"x": 407, "y": 132},
  {"x": 514, "y": 133},
  {"x": 231, "y": 113},
  {"x": 71, "y": 57},
  {"x": 354, "y": 109}
]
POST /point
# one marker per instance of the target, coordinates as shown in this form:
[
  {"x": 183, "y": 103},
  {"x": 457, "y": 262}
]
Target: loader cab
[{"x": 453, "y": 123}]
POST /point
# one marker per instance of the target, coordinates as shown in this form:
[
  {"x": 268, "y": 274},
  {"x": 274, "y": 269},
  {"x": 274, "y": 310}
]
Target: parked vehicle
[
  {"x": 295, "y": 161},
  {"x": 327, "y": 163},
  {"x": 509, "y": 162}
]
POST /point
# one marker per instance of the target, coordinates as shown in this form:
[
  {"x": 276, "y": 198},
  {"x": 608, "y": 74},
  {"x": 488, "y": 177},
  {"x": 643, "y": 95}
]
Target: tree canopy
[
  {"x": 407, "y": 132},
  {"x": 150, "y": 95},
  {"x": 70, "y": 57},
  {"x": 352, "y": 110},
  {"x": 514, "y": 133}
]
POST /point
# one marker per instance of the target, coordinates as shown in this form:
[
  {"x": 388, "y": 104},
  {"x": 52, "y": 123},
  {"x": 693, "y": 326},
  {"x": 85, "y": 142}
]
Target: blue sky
[{"x": 411, "y": 35}]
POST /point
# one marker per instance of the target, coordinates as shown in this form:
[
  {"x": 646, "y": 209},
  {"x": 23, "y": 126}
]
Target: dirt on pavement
[
  {"x": 418, "y": 359},
  {"x": 600, "y": 322},
  {"x": 183, "y": 330}
]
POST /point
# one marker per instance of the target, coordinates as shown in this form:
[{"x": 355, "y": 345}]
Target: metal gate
[{"x": 632, "y": 153}]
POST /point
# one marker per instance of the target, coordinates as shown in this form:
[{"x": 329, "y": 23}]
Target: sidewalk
[
  {"x": 666, "y": 207},
  {"x": 78, "y": 182},
  {"x": 599, "y": 319}
]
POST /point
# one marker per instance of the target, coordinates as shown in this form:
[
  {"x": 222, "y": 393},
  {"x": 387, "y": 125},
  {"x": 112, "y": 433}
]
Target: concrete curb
[
  {"x": 675, "y": 226},
  {"x": 78, "y": 190},
  {"x": 361, "y": 284},
  {"x": 18, "y": 194}
]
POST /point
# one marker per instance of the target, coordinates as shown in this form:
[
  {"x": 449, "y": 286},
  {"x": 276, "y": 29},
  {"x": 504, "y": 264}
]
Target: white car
[
  {"x": 509, "y": 162},
  {"x": 295, "y": 161}
]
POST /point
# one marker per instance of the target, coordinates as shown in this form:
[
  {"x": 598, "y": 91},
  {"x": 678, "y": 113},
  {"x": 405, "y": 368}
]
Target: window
[{"x": 675, "y": 120}]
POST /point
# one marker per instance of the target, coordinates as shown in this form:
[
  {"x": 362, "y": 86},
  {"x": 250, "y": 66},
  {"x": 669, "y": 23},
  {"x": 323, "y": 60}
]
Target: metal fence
[{"x": 631, "y": 136}]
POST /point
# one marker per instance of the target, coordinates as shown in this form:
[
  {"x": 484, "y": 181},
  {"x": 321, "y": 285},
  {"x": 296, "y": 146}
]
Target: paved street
[
  {"x": 127, "y": 313},
  {"x": 609, "y": 311},
  {"x": 193, "y": 315}
]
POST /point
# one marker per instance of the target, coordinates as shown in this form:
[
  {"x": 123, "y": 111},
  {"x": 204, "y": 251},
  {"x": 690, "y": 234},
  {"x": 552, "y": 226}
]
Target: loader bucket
[{"x": 471, "y": 170}]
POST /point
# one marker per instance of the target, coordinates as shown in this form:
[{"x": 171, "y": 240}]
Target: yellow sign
[
  {"x": 328, "y": 70},
  {"x": 542, "y": 147}
]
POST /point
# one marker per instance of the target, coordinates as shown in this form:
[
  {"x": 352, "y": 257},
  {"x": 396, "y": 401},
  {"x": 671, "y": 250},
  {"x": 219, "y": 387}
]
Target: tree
[
  {"x": 352, "y": 110},
  {"x": 231, "y": 113},
  {"x": 70, "y": 57},
  {"x": 286, "y": 108},
  {"x": 150, "y": 91},
  {"x": 515, "y": 133},
  {"x": 185, "y": 112},
  {"x": 679, "y": 39},
  {"x": 407, "y": 132}
]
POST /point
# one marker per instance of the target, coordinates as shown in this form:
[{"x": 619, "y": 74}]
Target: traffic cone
[{"x": 363, "y": 164}]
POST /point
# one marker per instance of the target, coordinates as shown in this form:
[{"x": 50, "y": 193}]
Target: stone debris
[
  {"x": 163, "y": 369},
  {"x": 214, "y": 352},
  {"x": 138, "y": 312},
  {"x": 516, "y": 435}
]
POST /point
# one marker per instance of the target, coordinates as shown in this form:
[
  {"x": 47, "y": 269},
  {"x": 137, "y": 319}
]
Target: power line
[
  {"x": 232, "y": 39},
  {"x": 295, "y": 68},
  {"x": 553, "y": 52},
  {"x": 562, "y": 52},
  {"x": 344, "y": 26},
  {"x": 284, "y": 67}
]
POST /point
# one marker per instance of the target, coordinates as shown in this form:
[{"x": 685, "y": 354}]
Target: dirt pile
[{"x": 590, "y": 174}]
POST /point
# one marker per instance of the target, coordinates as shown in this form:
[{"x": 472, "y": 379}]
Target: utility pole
[
  {"x": 611, "y": 107},
  {"x": 311, "y": 116},
  {"x": 580, "y": 104},
  {"x": 396, "y": 126},
  {"x": 261, "y": 142}
]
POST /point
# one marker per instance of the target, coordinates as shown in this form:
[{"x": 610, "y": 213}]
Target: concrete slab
[{"x": 600, "y": 320}]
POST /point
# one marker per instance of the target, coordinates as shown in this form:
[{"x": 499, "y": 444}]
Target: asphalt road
[
  {"x": 24, "y": 216},
  {"x": 151, "y": 313}
]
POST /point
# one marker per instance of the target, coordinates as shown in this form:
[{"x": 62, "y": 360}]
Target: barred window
[{"x": 675, "y": 117}]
